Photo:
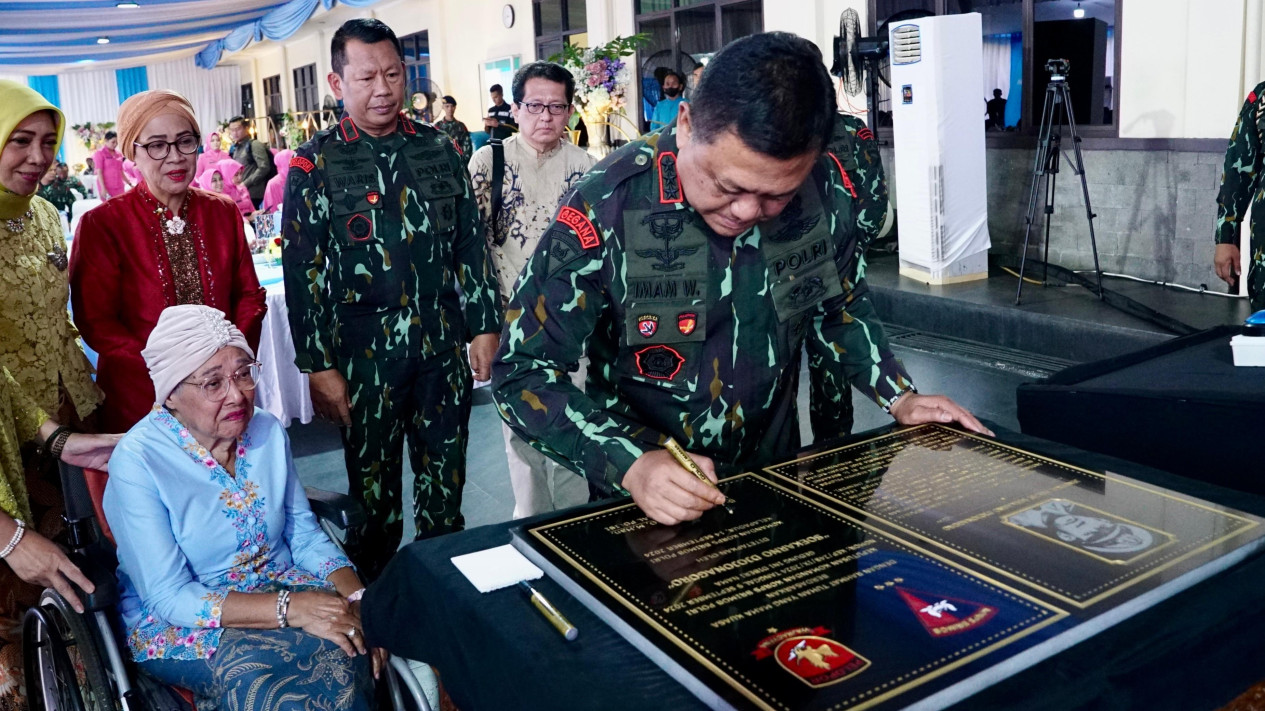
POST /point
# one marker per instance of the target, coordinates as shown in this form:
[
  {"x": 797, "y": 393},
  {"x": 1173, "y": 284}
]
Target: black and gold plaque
[
  {"x": 918, "y": 566},
  {"x": 786, "y": 604},
  {"x": 1077, "y": 537}
]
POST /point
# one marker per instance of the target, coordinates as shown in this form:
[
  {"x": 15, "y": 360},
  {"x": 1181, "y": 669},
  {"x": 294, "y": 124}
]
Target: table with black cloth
[
  {"x": 1181, "y": 406},
  {"x": 1197, "y": 650}
]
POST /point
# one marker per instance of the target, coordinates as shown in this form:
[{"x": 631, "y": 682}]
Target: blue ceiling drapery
[
  {"x": 276, "y": 25},
  {"x": 47, "y": 36}
]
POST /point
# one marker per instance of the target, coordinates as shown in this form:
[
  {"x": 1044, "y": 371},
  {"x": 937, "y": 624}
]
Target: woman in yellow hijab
[{"x": 50, "y": 374}]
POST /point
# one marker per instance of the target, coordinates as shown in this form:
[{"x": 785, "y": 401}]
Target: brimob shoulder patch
[
  {"x": 302, "y": 164},
  {"x": 580, "y": 224}
]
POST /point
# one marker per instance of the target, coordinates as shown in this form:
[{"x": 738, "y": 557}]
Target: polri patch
[
  {"x": 581, "y": 225},
  {"x": 302, "y": 164},
  {"x": 374, "y": 197},
  {"x": 659, "y": 362}
]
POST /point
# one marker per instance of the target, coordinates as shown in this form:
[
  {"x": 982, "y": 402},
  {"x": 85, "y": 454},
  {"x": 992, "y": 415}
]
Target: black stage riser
[{"x": 1009, "y": 327}]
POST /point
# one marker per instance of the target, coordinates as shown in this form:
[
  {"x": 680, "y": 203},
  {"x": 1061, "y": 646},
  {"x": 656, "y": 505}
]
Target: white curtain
[
  {"x": 89, "y": 96},
  {"x": 216, "y": 95},
  {"x": 19, "y": 78},
  {"x": 996, "y": 66}
]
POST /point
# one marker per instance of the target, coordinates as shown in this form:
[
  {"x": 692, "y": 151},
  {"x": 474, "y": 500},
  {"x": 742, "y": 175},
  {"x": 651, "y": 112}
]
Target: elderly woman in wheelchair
[{"x": 229, "y": 587}]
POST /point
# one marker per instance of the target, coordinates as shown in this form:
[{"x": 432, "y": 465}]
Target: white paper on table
[{"x": 496, "y": 568}]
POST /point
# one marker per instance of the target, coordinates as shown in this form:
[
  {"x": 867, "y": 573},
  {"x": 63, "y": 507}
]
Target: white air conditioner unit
[{"x": 938, "y": 130}]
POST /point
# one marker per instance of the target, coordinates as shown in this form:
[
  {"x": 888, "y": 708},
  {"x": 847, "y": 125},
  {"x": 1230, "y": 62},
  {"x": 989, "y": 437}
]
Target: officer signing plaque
[{"x": 913, "y": 568}]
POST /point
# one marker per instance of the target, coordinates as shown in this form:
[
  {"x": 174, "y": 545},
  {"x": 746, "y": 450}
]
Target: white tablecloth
[{"x": 282, "y": 389}]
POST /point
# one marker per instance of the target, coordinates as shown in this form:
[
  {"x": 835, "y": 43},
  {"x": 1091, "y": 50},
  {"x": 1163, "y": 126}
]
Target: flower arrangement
[
  {"x": 92, "y": 135},
  {"x": 601, "y": 76}
]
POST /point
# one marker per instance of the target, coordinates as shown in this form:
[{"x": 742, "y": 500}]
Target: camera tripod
[{"x": 1045, "y": 173}]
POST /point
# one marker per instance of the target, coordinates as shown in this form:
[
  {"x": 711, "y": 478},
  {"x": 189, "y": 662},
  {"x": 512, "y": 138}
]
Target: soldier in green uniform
[
  {"x": 865, "y": 190},
  {"x": 58, "y": 189},
  {"x": 1241, "y": 185},
  {"x": 380, "y": 231},
  {"x": 692, "y": 267}
]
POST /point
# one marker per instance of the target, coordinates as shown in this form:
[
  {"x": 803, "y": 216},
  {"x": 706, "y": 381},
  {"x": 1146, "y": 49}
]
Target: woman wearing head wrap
[
  {"x": 159, "y": 245},
  {"x": 37, "y": 341},
  {"x": 228, "y": 169},
  {"x": 229, "y": 587},
  {"x": 211, "y": 154},
  {"x": 274, "y": 192}
]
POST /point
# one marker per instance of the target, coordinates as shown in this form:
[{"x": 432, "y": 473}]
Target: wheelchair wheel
[{"x": 64, "y": 671}]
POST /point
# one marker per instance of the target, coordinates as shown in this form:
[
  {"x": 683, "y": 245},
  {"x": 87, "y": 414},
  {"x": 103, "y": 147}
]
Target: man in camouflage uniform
[
  {"x": 379, "y": 224},
  {"x": 692, "y": 266},
  {"x": 1241, "y": 185},
  {"x": 865, "y": 189},
  {"x": 58, "y": 189}
]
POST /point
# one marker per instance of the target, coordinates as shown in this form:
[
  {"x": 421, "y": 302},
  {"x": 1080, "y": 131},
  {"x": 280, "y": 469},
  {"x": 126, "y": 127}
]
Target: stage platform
[{"x": 1055, "y": 325}]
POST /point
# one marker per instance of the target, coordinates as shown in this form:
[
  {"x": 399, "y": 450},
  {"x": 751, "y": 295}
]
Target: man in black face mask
[{"x": 665, "y": 110}]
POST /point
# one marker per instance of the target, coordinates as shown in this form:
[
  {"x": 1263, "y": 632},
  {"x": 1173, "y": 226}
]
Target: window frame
[
  {"x": 674, "y": 31},
  {"x": 562, "y": 36}
]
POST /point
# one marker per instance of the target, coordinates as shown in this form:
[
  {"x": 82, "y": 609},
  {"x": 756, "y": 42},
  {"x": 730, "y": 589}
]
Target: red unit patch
[
  {"x": 578, "y": 222},
  {"x": 648, "y": 325},
  {"x": 865, "y": 134},
  {"x": 818, "y": 661},
  {"x": 686, "y": 322},
  {"x": 302, "y": 164},
  {"x": 374, "y": 197},
  {"x": 1251, "y": 97}
]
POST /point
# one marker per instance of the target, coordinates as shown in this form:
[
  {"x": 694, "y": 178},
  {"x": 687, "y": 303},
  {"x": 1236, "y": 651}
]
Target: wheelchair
[{"x": 78, "y": 662}]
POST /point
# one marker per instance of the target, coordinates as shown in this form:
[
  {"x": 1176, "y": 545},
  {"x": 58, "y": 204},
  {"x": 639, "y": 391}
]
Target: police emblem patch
[
  {"x": 659, "y": 362},
  {"x": 577, "y": 221},
  {"x": 794, "y": 225},
  {"x": 686, "y": 322},
  {"x": 359, "y": 228},
  {"x": 374, "y": 197},
  {"x": 647, "y": 325},
  {"x": 943, "y": 616},
  {"x": 806, "y": 292},
  {"x": 667, "y": 227}
]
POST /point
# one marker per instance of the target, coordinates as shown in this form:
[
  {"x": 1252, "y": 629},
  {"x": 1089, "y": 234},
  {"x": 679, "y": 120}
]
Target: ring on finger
[{"x": 352, "y": 633}]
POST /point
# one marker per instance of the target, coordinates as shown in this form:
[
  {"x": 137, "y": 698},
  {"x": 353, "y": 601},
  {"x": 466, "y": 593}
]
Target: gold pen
[
  {"x": 568, "y": 630},
  {"x": 692, "y": 467}
]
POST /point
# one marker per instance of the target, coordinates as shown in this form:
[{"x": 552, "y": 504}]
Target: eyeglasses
[
  {"x": 215, "y": 388},
  {"x": 158, "y": 150},
  {"x": 535, "y": 108}
]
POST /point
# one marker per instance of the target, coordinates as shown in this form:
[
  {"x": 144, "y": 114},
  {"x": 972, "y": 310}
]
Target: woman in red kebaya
[{"x": 159, "y": 245}]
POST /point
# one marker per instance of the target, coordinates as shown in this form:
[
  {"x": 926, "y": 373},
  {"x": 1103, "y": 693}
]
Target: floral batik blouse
[{"x": 188, "y": 532}]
